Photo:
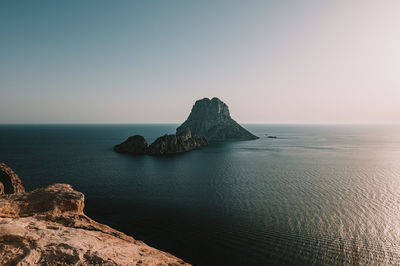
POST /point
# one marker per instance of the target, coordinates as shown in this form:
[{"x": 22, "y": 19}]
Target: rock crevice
[{"x": 9, "y": 181}]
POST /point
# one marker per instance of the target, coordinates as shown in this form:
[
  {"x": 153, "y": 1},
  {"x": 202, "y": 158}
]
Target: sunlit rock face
[
  {"x": 211, "y": 119},
  {"x": 48, "y": 227}
]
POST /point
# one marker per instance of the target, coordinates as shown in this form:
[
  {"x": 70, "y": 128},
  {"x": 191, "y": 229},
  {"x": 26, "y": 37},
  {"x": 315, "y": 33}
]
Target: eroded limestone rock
[{"x": 48, "y": 227}]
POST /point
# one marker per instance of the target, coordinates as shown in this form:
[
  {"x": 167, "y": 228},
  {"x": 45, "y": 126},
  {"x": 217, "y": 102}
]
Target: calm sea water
[{"x": 316, "y": 195}]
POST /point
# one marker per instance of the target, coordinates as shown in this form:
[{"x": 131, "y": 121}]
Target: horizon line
[{"x": 177, "y": 123}]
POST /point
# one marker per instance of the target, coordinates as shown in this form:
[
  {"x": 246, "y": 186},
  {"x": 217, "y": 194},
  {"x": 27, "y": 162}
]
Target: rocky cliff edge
[{"x": 48, "y": 227}]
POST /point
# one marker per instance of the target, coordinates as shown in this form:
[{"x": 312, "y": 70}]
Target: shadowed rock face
[
  {"x": 135, "y": 145},
  {"x": 9, "y": 181},
  {"x": 48, "y": 227},
  {"x": 172, "y": 144},
  {"x": 164, "y": 145},
  {"x": 211, "y": 119}
]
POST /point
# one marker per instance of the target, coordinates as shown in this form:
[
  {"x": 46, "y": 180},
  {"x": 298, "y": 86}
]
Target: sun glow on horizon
[{"x": 141, "y": 62}]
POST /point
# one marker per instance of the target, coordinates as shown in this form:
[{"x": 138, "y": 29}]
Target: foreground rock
[
  {"x": 164, "y": 145},
  {"x": 48, "y": 227},
  {"x": 211, "y": 119}
]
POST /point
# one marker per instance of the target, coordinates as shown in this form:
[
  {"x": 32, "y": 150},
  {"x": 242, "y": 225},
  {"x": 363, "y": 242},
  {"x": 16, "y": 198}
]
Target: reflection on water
[{"x": 314, "y": 195}]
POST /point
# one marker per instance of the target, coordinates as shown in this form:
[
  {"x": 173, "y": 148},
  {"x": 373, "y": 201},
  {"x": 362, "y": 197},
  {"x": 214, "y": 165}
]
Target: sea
[{"x": 315, "y": 195}]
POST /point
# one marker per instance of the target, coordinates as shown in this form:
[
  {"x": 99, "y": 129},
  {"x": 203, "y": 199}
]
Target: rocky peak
[
  {"x": 211, "y": 119},
  {"x": 212, "y": 109}
]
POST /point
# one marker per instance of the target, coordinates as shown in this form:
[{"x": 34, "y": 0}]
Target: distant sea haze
[{"x": 316, "y": 194}]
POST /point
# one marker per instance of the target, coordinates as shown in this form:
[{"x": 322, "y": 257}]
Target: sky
[{"x": 149, "y": 61}]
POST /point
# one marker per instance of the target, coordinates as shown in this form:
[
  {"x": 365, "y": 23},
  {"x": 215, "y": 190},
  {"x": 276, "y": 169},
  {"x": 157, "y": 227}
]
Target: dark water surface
[{"x": 316, "y": 195}]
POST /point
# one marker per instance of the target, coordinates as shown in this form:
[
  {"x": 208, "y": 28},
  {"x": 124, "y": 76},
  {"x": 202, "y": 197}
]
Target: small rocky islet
[
  {"x": 208, "y": 122},
  {"x": 164, "y": 145}
]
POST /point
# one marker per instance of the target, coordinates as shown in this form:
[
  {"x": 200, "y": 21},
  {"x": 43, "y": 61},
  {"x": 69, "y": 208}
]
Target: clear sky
[{"x": 148, "y": 61}]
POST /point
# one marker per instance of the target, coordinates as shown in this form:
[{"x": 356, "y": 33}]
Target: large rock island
[
  {"x": 211, "y": 119},
  {"x": 48, "y": 227}
]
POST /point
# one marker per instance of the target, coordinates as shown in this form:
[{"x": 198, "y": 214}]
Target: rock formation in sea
[
  {"x": 135, "y": 144},
  {"x": 211, "y": 119},
  {"x": 47, "y": 226},
  {"x": 172, "y": 144},
  {"x": 164, "y": 145}
]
